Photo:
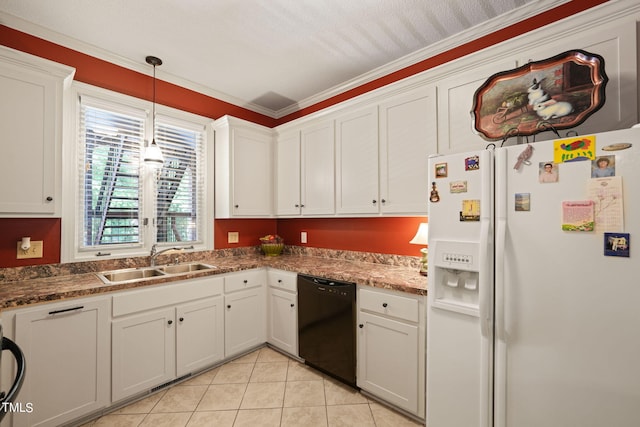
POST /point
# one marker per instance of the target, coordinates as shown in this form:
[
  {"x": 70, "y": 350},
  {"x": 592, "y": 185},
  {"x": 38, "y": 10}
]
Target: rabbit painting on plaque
[{"x": 559, "y": 92}]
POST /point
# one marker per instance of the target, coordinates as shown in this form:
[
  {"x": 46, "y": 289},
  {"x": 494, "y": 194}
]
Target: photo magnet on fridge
[
  {"x": 472, "y": 163},
  {"x": 617, "y": 244},
  {"x": 523, "y": 202},
  {"x": 470, "y": 210}
]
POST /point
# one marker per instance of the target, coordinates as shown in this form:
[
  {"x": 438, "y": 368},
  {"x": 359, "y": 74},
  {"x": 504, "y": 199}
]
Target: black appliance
[
  {"x": 326, "y": 326},
  {"x": 7, "y": 344}
]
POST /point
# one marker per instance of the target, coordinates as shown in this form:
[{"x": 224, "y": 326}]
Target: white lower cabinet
[
  {"x": 244, "y": 300},
  {"x": 66, "y": 346},
  {"x": 163, "y": 333},
  {"x": 282, "y": 295},
  {"x": 391, "y": 348}
]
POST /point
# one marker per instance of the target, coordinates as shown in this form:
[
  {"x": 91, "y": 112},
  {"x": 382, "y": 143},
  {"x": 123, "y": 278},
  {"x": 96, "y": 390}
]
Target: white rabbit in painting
[
  {"x": 553, "y": 109},
  {"x": 536, "y": 94}
]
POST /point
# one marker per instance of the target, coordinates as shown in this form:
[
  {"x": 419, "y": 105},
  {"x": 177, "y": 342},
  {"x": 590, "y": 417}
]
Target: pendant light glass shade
[{"x": 153, "y": 155}]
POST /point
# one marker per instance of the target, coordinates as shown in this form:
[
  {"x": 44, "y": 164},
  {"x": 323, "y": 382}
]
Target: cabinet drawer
[
  {"x": 281, "y": 279},
  {"x": 243, "y": 280},
  {"x": 398, "y": 306}
]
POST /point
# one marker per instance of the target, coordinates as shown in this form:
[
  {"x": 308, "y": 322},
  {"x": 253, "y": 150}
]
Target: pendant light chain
[{"x": 153, "y": 154}]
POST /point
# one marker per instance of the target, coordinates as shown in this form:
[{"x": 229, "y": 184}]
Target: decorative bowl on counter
[{"x": 272, "y": 245}]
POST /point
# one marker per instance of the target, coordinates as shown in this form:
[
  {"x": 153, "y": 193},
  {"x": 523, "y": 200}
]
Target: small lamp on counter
[{"x": 422, "y": 238}]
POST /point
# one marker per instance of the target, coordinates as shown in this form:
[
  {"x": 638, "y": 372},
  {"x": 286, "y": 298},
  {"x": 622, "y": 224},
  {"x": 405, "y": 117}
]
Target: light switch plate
[
  {"x": 35, "y": 251},
  {"x": 303, "y": 237},
  {"x": 233, "y": 237}
]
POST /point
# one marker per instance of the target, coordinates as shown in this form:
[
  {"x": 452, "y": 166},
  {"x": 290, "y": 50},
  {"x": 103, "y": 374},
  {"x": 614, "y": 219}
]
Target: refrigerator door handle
[{"x": 485, "y": 293}]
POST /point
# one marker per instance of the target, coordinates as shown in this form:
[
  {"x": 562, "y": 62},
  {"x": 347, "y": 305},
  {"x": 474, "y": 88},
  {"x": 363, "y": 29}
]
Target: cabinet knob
[
  {"x": 302, "y": 206},
  {"x": 49, "y": 199},
  {"x": 297, "y": 205},
  {"x": 170, "y": 322},
  {"x": 181, "y": 319},
  {"x": 236, "y": 206},
  {"x": 384, "y": 304},
  {"x": 361, "y": 326},
  {"x": 245, "y": 281},
  {"x": 374, "y": 201},
  {"x": 229, "y": 306},
  {"x": 383, "y": 201},
  {"x": 293, "y": 305}
]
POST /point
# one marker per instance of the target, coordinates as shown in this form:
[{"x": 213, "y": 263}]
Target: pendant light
[{"x": 153, "y": 155}]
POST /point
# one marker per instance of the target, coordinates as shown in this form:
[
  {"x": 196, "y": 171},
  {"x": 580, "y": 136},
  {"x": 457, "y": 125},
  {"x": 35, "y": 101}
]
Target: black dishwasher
[{"x": 326, "y": 326}]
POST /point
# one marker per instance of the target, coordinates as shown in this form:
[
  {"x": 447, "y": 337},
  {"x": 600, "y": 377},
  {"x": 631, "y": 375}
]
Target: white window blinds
[
  {"x": 110, "y": 193},
  {"x": 180, "y": 186}
]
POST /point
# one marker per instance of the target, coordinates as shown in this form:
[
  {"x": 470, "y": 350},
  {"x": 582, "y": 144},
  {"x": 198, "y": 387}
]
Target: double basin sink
[{"x": 127, "y": 275}]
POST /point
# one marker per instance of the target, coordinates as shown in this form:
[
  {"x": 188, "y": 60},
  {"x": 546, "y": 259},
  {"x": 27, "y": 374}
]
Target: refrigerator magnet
[
  {"x": 441, "y": 170},
  {"x": 603, "y": 166},
  {"x": 547, "y": 172},
  {"x": 458, "y": 187},
  {"x": 574, "y": 149},
  {"x": 470, "y": 210},
  {"x": 434, "y": 197},
  {"x": 472, "y": 163},
  {"x": 523, "y": 202},
  {"x": 617, "y": 244},
  {"x": 578, "y": 215}
]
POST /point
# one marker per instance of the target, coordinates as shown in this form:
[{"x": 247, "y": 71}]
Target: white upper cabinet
[
  {"x": 31, "y": 106},
  {"x": 288, "y": 174},
  {"x": 455, "y": 103},
  {"x": 357, "y": 162},
  {"x": 408, "y": 135},
  {"x": 305, "y": 179},
  {"x": 616, "y": 43},
  {"x": 243, "y": 165}
]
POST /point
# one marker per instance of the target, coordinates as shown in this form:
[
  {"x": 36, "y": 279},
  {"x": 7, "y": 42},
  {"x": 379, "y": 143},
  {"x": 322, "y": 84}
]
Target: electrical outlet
[
  {"x": 303, "y": 237},
  {"x": 233, "y": 237},
  {"x": 35, "y": 251}
]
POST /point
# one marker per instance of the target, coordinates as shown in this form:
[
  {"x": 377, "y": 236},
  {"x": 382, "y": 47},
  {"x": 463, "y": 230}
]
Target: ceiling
[{"x": 270, "y": 56}]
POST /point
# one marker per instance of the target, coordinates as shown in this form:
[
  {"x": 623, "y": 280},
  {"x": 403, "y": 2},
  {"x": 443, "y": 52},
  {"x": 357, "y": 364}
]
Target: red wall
[
  {"x": 13, "y": 230},
  {"x": 386, "y": 235}
]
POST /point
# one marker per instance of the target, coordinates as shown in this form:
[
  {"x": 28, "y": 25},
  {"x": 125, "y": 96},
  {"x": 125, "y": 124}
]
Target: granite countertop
[{"x": 26, "y": 291}]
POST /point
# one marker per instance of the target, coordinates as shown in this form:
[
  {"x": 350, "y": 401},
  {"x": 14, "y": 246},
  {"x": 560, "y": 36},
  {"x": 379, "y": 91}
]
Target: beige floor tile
[
  {"x": 258, "y": 417},
  {"x": 222, "y": 396},
  {"x": 119, "y": 420},
  {"x": 340, "y": 394},
  {"x": 247, "y": 358},
  {"x": 181, "y": 398},
  {"x": 263, "y": 396},
  {"x": 304, "y": 393},
  {"x": 270, "y": 355},
  {"x": 350, "y": 416},
  {"x": 233, "y": 373},
  {"x": 212, "y": 419},
  {"x": 143, "y": 406},
  {"x": 269, "y": 372},
  {"x": 300, "y": 372},
  {"x": 315, "y": 416},
  {"x": 174, "y": 419},
  {"x": 385, "y": 417}
]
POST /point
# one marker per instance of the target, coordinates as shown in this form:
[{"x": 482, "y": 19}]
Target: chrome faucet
[{"x": 155, "y": 252}]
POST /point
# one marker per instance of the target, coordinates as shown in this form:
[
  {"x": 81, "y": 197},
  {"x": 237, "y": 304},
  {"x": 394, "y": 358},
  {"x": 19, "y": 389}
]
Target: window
[{"x": 122, "y": 207}]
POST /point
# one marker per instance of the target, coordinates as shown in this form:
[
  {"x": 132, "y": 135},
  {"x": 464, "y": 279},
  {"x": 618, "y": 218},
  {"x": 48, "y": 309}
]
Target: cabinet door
[
  {"x": 388, "y": 360},
  {"x": 317, "y": 174},
  {"x": 200, "y": 335},
  {"x": 408, "y": 135},
  {"x": 244, "y": 325},
  {"x": 252, "y": 182},
  {"x": 357, "y": 162},
  {"x": 455, "y": 103},
  {"x": 67, "y": 351},
  {"x": 283, "y": 320},
  {"x": 30, "y": 108},
  {"x": 143, "y": 353},
  {"x": 288, "y": 174}
]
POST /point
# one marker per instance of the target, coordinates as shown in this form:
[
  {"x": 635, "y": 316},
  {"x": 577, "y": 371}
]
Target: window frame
[{"x": 71, "y": 248}]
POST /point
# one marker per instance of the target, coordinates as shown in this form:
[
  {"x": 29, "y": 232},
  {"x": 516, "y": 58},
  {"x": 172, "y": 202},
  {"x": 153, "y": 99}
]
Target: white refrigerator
[{"x": 533, "y": 315}]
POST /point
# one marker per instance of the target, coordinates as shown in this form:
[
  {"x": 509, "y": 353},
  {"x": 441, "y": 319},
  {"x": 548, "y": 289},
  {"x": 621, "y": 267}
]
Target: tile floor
[{"x": 263, "y": 388}]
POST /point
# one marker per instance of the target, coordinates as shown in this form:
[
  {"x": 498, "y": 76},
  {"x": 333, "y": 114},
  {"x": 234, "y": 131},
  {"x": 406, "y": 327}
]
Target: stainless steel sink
[
  {"x": 185, "y": 268},
  {"x": 134, "y": 274},
  {"x": 129, "y": 275}
]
